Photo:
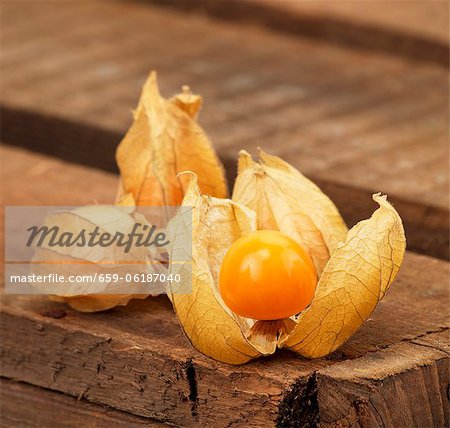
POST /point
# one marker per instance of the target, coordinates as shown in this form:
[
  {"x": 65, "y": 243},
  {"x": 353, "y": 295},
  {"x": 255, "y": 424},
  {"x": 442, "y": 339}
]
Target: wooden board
[
  {"x": 429, "y": 19},
  {"x": 411, "y": 28},
  {"x": 136, "y": 359},
  {"x": 25, "y": 406},
  {"x": 356, "y": 121},
  {"x": 34, "y": 179}
]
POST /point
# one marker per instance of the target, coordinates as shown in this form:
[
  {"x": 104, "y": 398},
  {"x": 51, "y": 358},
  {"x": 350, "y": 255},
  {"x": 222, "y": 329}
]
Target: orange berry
[{"x": 266, "y": 275}]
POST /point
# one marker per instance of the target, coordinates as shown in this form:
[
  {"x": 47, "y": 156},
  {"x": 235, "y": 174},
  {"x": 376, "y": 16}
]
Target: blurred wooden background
[
  {"x": 354, "y": 94},
  {"x": 358, "y": 121}
]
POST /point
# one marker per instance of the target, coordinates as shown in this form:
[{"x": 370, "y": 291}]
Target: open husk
[
  {"x": 357, "y": 267},
  {"x": 163, "y": 140}
]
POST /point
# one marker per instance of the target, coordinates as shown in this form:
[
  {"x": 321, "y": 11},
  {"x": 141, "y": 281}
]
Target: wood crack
[
  {"x": 193, "y": 387},
  {"x": 299, "y": 407}
]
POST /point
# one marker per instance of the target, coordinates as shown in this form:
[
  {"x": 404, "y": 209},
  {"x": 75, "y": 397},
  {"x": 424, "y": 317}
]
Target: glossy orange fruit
[{"x": 266, "y": 275}]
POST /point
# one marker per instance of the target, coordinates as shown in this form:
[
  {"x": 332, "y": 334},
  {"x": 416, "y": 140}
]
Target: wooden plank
[
  {"x": 32, "y": 179},
  {"x": 411, "y": 28},
  {"x": 25, "y": 406},
  {"x": 136, "y": 359},
  {"x": 358, "y": 122},
  {"x": 412, "y": 17},
  {"x": 413, "y": 376}
]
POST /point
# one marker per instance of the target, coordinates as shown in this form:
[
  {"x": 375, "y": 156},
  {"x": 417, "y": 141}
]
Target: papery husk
[
  {"x": 285, "y": 200},
  {"x": 98, "y": 303},
  {"x": 353, "y": 282},
  {"x": 86, "y": 260},
  {"x": 208, "y": 323},
  {"x": 163, "y": 140}
]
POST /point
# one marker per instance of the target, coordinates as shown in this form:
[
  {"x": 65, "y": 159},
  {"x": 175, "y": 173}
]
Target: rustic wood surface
[
  {"x": 25, "y": 406},
  {"x": 357, "y": 121},
  {"x": 412, "y": 28},
  {"x": 412, "y": 17},
  {"x": 136, "y": 359}
]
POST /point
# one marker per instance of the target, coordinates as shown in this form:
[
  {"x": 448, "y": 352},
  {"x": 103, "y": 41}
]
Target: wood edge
[
  {"x": 339, "y": 31},
  {"x": 21, "y": 402},
  {"x": 426, "y": 226},
  {"x": 333, "y": 396},
  {"x": 301, "y": 399},
  {"x": 376, "y": 360},
  {"x": 44, "y": 134},
  {"x": 181, "y": 375}
]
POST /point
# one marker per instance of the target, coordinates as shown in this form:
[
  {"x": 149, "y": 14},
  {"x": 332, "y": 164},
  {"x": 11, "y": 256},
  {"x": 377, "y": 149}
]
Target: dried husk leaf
[
  {"x": 124, "y": 199},
  {"x": 285, "y": 200},
  {"x": 71, "y": 259},
  {"x": 164, "y": 140},
  {"x": 188, "y": 102},
  {"x": 208, "y": 323},
  {"x": 264, "y": 335},
  {"x": 92, "y": 303},
  {"x": 353, "y": 282}
]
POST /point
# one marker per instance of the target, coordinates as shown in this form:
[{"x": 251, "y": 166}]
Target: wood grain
[
  {"x": 410, "y": 17},
  {"x": 416, "y": 376},
  {"x": 136, "y": 359},
  {"x": 33, "y": 179},
  {"x": 411, "y": 28},
  {"x": 356, "y": 121},
  {"x": 25, "y": 406}
]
